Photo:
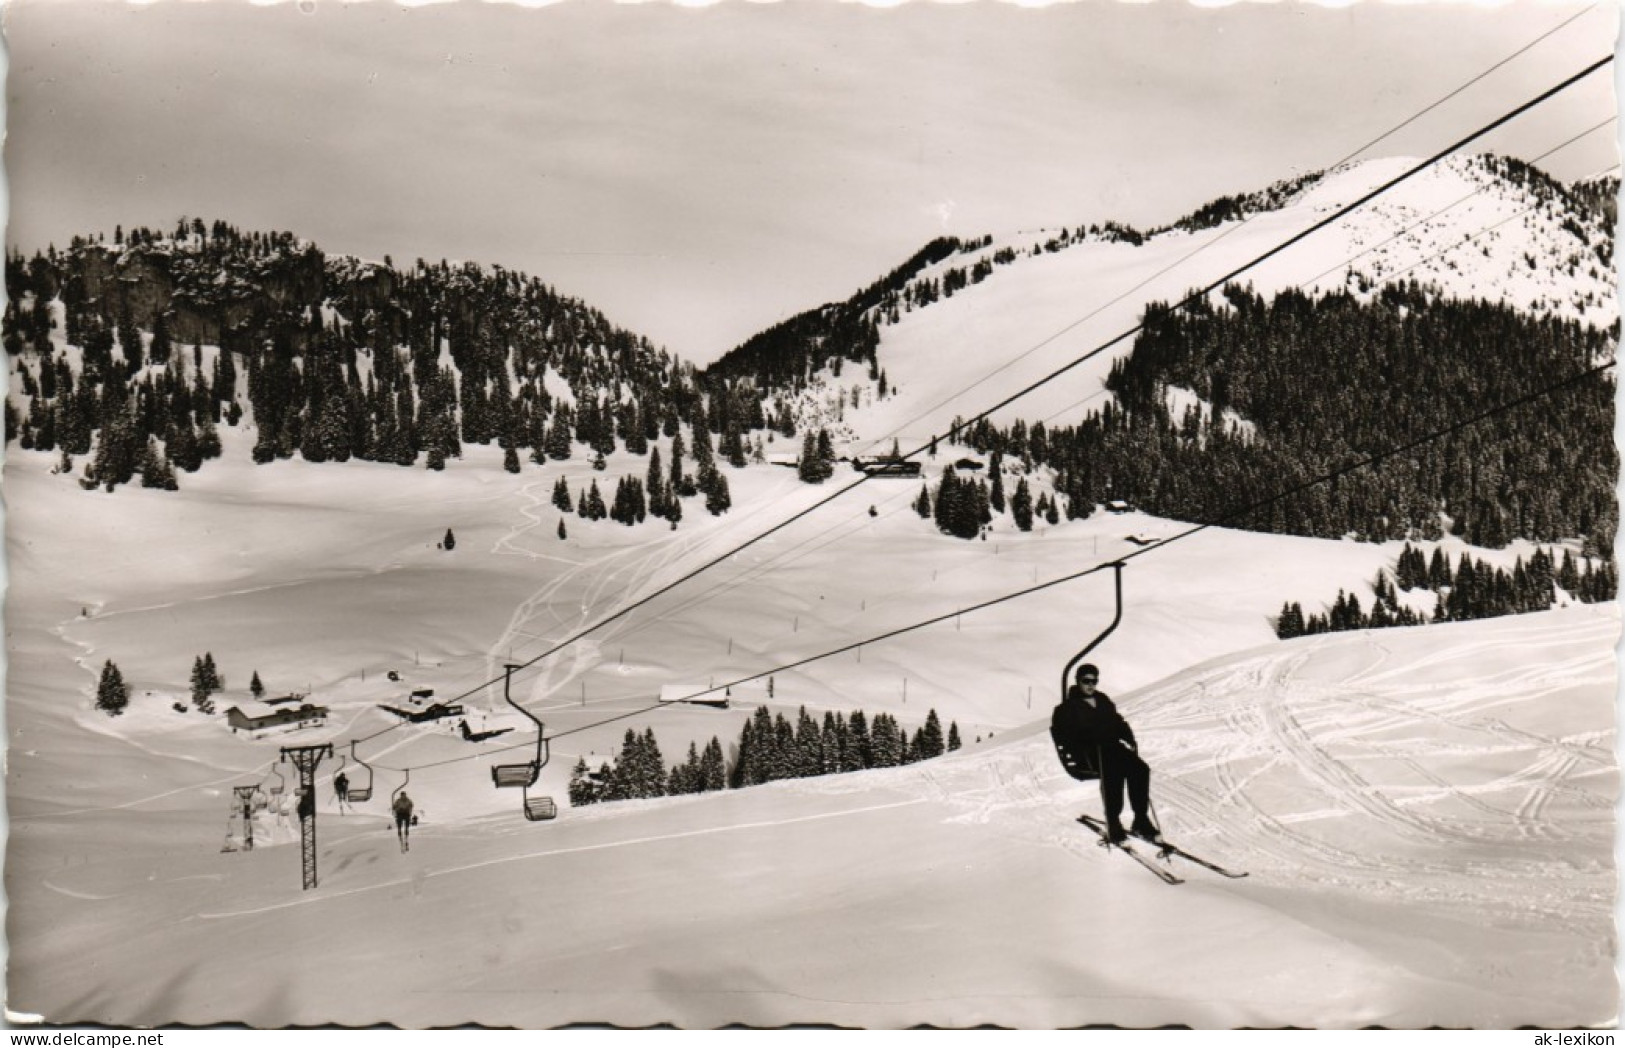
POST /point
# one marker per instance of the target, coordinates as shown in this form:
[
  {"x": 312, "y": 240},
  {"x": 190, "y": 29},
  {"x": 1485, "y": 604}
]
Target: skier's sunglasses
[{"x": 1088, "y": 680}]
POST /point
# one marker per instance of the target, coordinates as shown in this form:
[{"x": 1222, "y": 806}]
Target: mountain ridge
[
  {"x": 1381, "y": 242},
  {"x": 347, "y": 358}
]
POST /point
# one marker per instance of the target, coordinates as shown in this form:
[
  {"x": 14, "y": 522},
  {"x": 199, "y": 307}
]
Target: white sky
[{"x": 698, "y": 174}]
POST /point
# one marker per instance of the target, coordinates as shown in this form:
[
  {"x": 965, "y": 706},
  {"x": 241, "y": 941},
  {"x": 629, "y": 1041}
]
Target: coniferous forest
[
  {"x": 1297, "y": 387},
  {"x": 1469, "y": 590},
  {"x": 769, "y": 748},
  {"x": 334, "y": 359},
  {"x": 1219, "y": 406}
]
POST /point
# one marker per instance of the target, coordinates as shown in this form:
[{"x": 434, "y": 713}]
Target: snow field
[{"x": 1426, "y": 813}]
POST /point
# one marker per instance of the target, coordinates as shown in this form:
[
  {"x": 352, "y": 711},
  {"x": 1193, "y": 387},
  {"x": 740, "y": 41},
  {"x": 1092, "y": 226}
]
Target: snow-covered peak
[{"x": 984, "y": 322}]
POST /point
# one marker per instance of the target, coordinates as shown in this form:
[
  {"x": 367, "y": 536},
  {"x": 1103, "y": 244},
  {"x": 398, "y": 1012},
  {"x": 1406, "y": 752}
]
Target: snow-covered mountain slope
[
  {"x": 1426, "y": 814},
  {"x": 1469, "y": 227},
  {"x": 1427, "y": 824}
]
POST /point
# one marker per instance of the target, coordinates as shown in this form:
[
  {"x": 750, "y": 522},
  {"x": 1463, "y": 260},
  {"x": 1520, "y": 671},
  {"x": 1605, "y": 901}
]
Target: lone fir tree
[
  {"x": 205, "y": 682},
  {"x": 112, "y": 694}
]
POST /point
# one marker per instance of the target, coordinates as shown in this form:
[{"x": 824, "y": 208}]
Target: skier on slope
[
  {"x": 1094, "y": 741},
  {"x": 403, "y": 819}
]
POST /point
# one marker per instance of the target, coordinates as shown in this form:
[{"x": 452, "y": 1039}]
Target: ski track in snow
[
  {"x": 1394, "y": 778},
  {"x": 1257, "y": 767},
  {"x": 622, "y": 570},
  {"x": 624, "y": 842},
  {"x": 537, "y": 619},
  {"x": 83, "y": 896}
]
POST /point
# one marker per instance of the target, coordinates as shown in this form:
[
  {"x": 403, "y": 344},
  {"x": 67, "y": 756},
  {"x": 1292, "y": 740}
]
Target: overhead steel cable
[
  {"x": 1049, "y": 584},
  {"x": 1227, "y": 517},
  {"x": 1296, "y": 238},
  {"x": 1469, "y": 239},
  {"x": 1189, "y": 299},
  {"x": 1424, "y": 112},
  {"x": 1306, "y": 284},
  {"x": 1206, "y": 244},
  {"x": 1593, "y": 129},
  {"x": 1195, "y": 296}
]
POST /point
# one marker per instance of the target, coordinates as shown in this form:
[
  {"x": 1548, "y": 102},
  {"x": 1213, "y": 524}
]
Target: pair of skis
[{"x": 1165, "y": 852}]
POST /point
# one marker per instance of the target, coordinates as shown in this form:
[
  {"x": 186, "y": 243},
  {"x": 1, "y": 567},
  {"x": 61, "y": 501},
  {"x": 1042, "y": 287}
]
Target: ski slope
[
  {"x": 1457, "y": 227},
  {"x": 1427, "y": 814}
]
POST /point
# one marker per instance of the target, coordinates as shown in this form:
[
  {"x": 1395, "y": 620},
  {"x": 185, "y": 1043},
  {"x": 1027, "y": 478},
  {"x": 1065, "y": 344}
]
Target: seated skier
[{"x": 1094, "y": 741}]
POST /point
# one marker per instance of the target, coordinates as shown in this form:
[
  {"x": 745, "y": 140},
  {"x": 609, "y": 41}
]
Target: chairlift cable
[
  {"x": 1195, "y": 296},
  {"x": 1117, "y": 563},
  {"x": 1229, "y": 516},
  {"x": 801, "y": 549},
  {"x": 1205, "y": 245},
  {"x": 1390, "y": 277}
]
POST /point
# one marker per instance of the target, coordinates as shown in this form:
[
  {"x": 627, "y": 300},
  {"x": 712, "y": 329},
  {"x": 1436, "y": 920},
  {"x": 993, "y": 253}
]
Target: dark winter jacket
[{"x": 1081, "y": 730}]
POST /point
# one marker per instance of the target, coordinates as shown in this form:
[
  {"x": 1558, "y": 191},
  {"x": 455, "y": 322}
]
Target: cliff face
[
  {"x": 204, "y": 298},
  {"x": 366, "y": 289}
]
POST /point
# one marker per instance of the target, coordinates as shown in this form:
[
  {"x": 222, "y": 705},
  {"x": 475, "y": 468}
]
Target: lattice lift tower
[{"x": 306, "y": 758}]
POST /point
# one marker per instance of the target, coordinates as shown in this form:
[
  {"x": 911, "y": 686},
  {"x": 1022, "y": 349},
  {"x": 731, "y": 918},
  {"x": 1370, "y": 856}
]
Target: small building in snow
[
  {"x": 258, "y": 719},
  {"x": 420, "y": 713},
  {"x": 1118, "y": 506},
  {"x": 701, "y": 695},
  {"x": 886, "y": 466}
]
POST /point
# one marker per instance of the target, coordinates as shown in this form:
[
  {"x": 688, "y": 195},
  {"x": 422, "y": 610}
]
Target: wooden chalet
[
  {"x": 886, "y": 466},
  {"x": 258, "y": 719},
  {"x": 674, "y": 693}
]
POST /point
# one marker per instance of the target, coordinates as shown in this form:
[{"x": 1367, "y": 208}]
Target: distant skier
[
  {"x": 341, "y": 789},
  {"x": 307, "y": 802},
  {"x": 1095, "y": 742},
  {"x": 403, "y": 819}
]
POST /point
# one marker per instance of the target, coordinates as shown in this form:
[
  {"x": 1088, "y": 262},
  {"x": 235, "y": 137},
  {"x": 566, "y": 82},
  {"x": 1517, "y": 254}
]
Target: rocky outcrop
[{"x": 204, "y": 298}]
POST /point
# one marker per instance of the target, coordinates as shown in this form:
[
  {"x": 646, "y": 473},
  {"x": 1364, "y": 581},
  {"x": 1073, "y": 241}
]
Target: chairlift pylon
[{"x": 233, "y": 828}]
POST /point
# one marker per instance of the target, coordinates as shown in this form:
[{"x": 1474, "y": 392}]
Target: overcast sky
[{"x": 700, "y": 173}]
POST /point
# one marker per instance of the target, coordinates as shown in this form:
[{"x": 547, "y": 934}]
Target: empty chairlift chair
[
  {"x": 276, "y": 788},
  {"x": 360, "y": 794},
  {"x": 524, "y": 776}
]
